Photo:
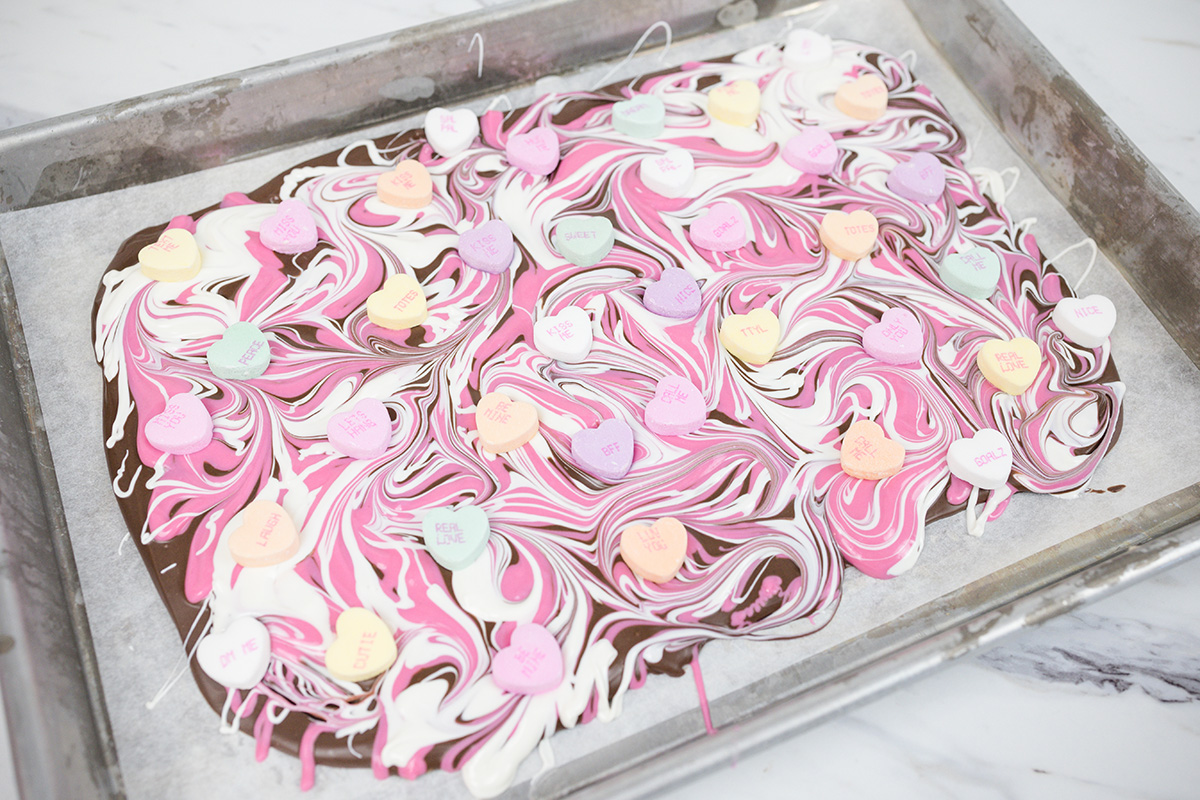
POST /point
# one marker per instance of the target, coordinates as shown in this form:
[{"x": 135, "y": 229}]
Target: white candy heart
[
  {"x": 450, "y": 132},
  {"x": 565, "y": 336},
  {"x": 984, "y": 460},
  {"x": 669, "y": 173},
  {"x": 238, "y": 656},
  {"x": 1086, "y": 321},
  {"x": 807, "y": 49}
]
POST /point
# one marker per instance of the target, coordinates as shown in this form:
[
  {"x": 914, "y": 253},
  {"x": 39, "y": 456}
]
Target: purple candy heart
[
  {"x": 488, "y": 248},
  {"x": 362, "y": 432},
  {"x": 812, "y": 150},
  {"x": 535, "y": 152},
  {"x": 290, "y": 230},
  {"x": 896, "y": 338},
  {"x": 606, "y": 451},
  {"x": 720, "y": 229},
  {"x": 921, "y": 179},
  {"x": 675, "y": 295},
  {"x": 676, "y": 408}
]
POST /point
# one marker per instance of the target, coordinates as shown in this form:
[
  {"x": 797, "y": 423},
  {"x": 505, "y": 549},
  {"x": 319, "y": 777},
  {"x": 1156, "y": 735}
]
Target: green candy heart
[
  {"x": 974, "y": 272},
  {"x": 456, "y": 537},
  {"x": 641, "y": 116},
  {"x": 242, "y": 353},
  {"x": 584, "y": 240}
]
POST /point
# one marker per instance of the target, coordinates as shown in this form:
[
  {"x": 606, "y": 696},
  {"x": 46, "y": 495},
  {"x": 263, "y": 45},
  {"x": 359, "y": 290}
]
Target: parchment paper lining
[{"x": 57, "y": 254}]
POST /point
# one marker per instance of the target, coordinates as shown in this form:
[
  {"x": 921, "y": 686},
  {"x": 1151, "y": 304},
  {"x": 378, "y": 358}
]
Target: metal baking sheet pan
[{"x": 91, "y": 645}]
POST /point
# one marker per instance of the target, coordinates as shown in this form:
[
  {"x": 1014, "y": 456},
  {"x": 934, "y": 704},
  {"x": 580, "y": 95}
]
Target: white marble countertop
[{"x": 1103, "y": 702}]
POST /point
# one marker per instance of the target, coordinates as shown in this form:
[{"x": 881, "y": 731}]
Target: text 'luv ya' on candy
[
  {"x": 174, "y": 257},
  {"x": 364, "y": 647}
]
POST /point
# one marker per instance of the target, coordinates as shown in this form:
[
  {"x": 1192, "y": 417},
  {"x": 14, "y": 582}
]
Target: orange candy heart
[
  {"x": 655, "y": 552},
  {"x": 849, "y": 236},
  {"x": 406, "y": 186},
  {"x": 865, "y": 98},
  {"x": 868, "y": 454},
  {"x": 267, "y": 536},
  {"x": 504, "y": 424}
]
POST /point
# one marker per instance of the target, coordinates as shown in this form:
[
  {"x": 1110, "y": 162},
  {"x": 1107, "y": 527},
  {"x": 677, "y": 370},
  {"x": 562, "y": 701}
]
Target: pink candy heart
[
  {"x": 896, "y": 338},
  {"x": 921, "y": 179},
  {"x": 531, "y": 664},
  {"x": 813, "y": 151},
  {"x": 721, "y": 229},
  {"x": 488, "y": 248},
  {"x": 362, "y": 432},
  {"x": 290, "y": 230},
  {"x": 605, "y": 451},
  {"x": 677, "y": 407},
  {"x": 184, "y": 426},
  {"x": 535, "y": 152}
]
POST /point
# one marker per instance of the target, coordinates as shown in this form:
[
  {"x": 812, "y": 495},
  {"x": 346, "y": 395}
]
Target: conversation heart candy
[
  {"x": 974, "y": 272},
  {"x": 1011, "y": 365},
  {"x": 504, "y": 424},
  {"x": 751, "y": 337},
  {"x": 565, "y": 336},
  {"x": 984, "y": 460},
  {"x": 174, "y": 257},
  {"x": 865, "y": 98},
  {"x": 921, "y": 179},
  {"x": 849, "y": 236},
  {"x": 655, "y": 552},
  {"x": 812, "y": 150},
  {"x": 488, "y": 248},
  {"x": 868, "y": 454},
  {"x": 676, "y": 294},
  {"x": 456, "y": 537},
  {"x": 535, "y": 152},
  {"x": 677, "y": 407},
  {"x": 735, "y": 103},
  {"x": 720, "y": 229},
  {"x": 408, "y": 185},
  {"x": 641, "y": 116},
  {"x": 363, "y": 649},
  {"x": 1085, "y": 321},
  {"x": 238, "y": 656},
  {"x": 184, "y": 427},
  {"x": 896, "y": 338},
  {"x": 531, "y": 664},
  {"x": 362, "y": 432},
  {"x": 267, "y": 536},
  {"x": 241, "y": 353},
  {"x": 605, "y": 451},
  {"x": 584, "y": 240},
  {"x": 450, "y": 132},
  {"x": 806, "y": 49},
  {"x": 399, "y": 305},
  {"x": 669, "y": 173},
  {"x": 290, "y": 230}
]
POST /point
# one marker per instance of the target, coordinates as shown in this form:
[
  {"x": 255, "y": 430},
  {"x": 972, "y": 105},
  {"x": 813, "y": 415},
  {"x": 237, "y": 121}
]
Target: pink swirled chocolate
[{"x": 768, "y": 511}]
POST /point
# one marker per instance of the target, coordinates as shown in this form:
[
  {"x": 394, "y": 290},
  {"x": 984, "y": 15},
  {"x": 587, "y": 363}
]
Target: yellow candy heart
[
  {"x": 1011, "y": 365},
  {"x": 736, "y": 103},
  {"x": 849, "y": 236},
  {"x": 751, "y": 337},
  {"x": 399, "y": 305},
  {"x": 406, "y": 186},
  {"x": 174, "y": 257},
  {"x": 865, "y": 98},
  {"x": 364, "y": 647}
]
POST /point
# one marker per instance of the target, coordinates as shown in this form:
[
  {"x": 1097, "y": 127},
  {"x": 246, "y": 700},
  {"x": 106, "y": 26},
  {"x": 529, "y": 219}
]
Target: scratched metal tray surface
[{"x": 54, "y": 700}]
